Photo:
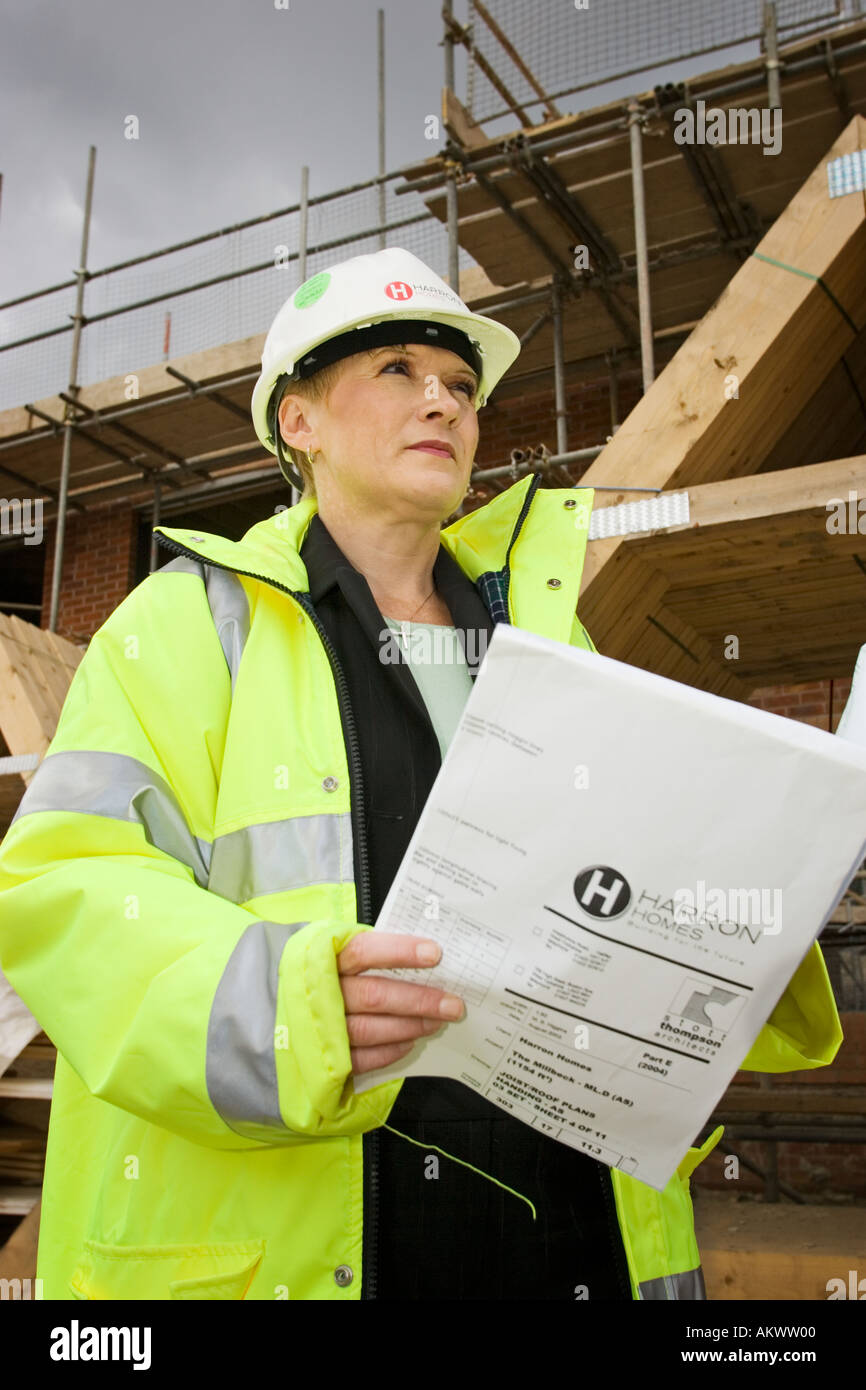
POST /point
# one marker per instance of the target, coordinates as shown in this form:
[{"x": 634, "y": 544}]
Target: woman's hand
[{"x": 384, "y": 1017}]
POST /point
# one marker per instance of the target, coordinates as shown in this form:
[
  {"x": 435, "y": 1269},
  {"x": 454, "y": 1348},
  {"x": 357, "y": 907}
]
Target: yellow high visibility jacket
[{"x": 174, "y": 890}]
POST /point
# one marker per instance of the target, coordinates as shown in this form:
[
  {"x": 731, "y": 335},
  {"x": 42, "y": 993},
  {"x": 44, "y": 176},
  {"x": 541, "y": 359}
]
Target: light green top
[{"x": 435, "y": 658}]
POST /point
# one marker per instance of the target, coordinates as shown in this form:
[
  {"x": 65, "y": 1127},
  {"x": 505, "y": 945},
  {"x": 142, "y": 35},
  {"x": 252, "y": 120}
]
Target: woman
[{"x": 189, "y": 885}]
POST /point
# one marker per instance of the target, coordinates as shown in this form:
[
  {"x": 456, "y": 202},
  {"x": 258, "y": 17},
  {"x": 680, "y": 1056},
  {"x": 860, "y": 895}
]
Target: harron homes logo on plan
[{"x": 742, "y": 914}]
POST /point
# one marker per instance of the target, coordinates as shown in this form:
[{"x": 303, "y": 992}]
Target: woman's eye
[{"x": 465, "y": 384}]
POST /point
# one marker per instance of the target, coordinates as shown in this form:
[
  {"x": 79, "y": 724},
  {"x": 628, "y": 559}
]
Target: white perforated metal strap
[{"x": 648, "y": 514}]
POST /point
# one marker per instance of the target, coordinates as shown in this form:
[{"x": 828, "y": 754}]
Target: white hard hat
[{"x": 355, "y": 295}]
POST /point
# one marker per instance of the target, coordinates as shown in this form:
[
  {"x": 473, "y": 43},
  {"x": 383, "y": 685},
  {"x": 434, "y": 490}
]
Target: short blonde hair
[{"x": 317, "y": 387}]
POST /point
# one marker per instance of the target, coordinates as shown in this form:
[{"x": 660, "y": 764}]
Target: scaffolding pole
[
  {"x": 559, "y": 370},
  {"x": 294, "y": 493},
  {"x": 635, "y": 117},
  {"x": 770, "y": 37},
  {"x": 451, "y": 182},
  {"x": 304, "y": 208},
  {"x": 451, "y": 185},
  {"x": 613, "y": 387},
  {"x": 380, "y": 28},
  {"x": 453, "y": 248},
  {"x": 68, "y": 413},
  {"x": 157, "y": 507}
]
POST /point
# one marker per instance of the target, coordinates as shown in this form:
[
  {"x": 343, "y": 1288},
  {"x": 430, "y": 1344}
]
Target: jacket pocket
[{"x": 166, "y": 1271}]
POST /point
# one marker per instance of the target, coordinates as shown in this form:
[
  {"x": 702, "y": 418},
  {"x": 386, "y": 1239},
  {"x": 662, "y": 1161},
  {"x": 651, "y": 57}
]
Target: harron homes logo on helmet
[
  {"x": 402, "y": 290},
  {"x": 741, "y": 914}
]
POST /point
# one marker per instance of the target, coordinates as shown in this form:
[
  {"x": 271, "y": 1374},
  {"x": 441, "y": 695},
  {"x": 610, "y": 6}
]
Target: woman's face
[{"x": 382, "y": 406}]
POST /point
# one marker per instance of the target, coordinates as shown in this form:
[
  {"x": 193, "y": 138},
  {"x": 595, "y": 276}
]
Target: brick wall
[
  {"x": 826, "y": 1172},
  {"x": 815, "y": 702},
  {"x": 98, "y": 569},
  {"x": 529, "y": 420}
]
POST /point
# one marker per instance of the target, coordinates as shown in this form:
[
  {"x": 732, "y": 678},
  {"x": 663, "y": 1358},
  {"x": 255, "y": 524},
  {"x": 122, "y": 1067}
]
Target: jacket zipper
[
  {"x": 615, "y": 1235},
  {"x": 527, "y": 503},
  {"x": 356, "y": 802},
  {"x": 370, "y": 1140}
]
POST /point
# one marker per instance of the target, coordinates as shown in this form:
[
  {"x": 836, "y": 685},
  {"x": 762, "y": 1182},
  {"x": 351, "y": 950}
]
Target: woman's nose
[{"x": 438, "y": 397}]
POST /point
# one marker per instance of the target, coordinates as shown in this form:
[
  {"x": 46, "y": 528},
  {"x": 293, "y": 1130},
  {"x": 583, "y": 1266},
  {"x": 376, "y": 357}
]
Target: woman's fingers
[
  {"x": 370, "y": 1030},
  {"x": 385, "y": 1016},
  {"x": 373, "y": 994},
  {"x": 373, "y": 950},
  {"x": 372, "y": 1058}
]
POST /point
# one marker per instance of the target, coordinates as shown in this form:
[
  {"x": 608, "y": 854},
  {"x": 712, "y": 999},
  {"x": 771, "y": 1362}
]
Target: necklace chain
[{"x": 406, "y": 623}]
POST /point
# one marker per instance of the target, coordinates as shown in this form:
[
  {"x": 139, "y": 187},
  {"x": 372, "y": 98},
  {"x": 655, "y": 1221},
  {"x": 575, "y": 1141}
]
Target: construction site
[{"x": 684, "y": 265}]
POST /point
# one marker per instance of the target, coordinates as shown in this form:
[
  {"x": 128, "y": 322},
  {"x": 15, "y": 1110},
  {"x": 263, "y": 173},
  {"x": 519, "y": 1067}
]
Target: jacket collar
[
  {"x": 547, "y": 542},
  {"x": 327, "y": 569},
  {"x": 323, "y": 559}
]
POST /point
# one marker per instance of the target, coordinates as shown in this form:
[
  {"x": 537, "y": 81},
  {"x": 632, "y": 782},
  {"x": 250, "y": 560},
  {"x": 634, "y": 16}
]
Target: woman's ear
[{"x": 294, "y": 425}]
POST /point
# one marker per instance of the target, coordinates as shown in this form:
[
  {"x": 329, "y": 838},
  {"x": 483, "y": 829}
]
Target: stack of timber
[{"x": 36, "y": 668}]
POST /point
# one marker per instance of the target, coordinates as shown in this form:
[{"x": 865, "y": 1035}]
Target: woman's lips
[{"x": 439, "y": 450}]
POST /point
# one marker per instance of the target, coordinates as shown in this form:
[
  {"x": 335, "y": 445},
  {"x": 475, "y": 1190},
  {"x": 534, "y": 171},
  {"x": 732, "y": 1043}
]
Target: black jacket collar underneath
[{"x": 326, "y": 566}]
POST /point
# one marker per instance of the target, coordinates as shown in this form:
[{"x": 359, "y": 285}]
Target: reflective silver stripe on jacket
[
  {"x": 240, "y": 1067},
  {"x": 279, "y": 855},
  {"x": 690, "y": 1284},
  {"x": 228, "y": 605},
  {"x": 251, "y": 862},
  {"x": 115, "y": 785}
]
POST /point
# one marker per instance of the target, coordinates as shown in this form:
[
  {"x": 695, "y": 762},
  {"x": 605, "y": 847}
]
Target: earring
[{"x": 310, "y": 458}]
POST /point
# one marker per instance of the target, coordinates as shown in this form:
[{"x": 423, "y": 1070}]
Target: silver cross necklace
[{"x": 406, "y": 625}]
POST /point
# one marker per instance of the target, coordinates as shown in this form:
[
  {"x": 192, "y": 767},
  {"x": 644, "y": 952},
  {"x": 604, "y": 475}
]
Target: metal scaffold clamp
[{"x": 516, "y": 458}]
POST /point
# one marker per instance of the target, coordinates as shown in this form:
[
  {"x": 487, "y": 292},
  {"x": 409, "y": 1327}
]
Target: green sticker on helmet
[{"x": 311, "y": 290}]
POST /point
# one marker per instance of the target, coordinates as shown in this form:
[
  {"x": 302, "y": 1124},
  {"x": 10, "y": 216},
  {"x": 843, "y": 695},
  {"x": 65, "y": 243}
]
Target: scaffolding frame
[{"x": 528, "y": 152}]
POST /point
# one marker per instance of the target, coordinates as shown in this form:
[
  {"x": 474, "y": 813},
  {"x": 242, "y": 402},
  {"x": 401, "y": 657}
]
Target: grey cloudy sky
[{"x": 232, "y": 96}]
